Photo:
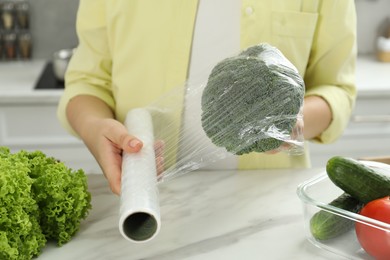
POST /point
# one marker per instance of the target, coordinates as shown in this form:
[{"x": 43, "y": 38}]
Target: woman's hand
[
  {"x": 315, "y": 118},
  {"x": 108, "y": 145},
  {"x": 296, "y": 136},
  {"x": 107, "y": 140}
]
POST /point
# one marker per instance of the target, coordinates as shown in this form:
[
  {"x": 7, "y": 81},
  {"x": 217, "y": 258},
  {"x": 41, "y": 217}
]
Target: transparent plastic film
[{"x": 250, "y": 103}]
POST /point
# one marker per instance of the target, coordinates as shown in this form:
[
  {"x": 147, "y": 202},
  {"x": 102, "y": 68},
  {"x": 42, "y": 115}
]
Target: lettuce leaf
[{"x": 40, "y": 199}]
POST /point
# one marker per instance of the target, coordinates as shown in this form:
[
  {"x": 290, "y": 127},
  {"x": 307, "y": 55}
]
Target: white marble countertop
[
  {"x": 204, "y": 215},
  {"x": 17, "y": 80}
]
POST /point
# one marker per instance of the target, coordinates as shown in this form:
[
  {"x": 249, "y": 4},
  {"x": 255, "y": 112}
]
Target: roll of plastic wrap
[{"x": 139, "y": 201}]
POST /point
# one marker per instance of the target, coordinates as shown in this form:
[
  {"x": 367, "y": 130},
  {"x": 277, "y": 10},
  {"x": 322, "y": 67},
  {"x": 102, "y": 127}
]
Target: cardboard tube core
[{"x": 140, "y": 226}]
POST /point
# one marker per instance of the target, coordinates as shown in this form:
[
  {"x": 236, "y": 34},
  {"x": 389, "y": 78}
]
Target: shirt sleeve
[
  {"x": 89, "y": 71},
  {"x": 331, "y": 70}
]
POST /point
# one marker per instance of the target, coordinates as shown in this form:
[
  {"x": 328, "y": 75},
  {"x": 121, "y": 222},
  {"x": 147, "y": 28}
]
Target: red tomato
[{"x": 375, "y": 241}]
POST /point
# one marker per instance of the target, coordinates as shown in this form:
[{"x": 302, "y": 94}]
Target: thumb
[
  {"x": 131, "y": 144},
  {"x": 124, "y": 140}
]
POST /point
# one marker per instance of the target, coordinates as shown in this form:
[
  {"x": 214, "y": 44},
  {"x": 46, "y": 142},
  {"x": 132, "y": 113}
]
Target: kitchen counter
[
  {"x": 204, "y": 215},
  {"x": 17, "y": 81},
  {"x": 372, "y": 76}
]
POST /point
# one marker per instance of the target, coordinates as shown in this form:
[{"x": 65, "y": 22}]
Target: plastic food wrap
[{"x": 251, "y": 102}]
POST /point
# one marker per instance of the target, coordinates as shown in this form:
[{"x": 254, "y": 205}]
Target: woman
[{"x": 132, "y": 51}]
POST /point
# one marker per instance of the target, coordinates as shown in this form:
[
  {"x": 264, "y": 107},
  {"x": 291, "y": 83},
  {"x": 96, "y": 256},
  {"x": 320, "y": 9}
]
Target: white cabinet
[{"x": 32, "y": 125}]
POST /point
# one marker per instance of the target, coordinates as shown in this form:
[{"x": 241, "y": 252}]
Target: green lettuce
[{"x": 40, "y": 199}]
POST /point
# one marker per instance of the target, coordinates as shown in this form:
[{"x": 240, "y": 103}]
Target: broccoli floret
[{"x": 251, "y": 101}]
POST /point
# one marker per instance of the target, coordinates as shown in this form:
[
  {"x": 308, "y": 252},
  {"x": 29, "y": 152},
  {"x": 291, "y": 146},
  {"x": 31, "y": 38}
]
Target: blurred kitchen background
[
  {"x": 373, "y": 21},
  {"x": 53, "y": 24}
]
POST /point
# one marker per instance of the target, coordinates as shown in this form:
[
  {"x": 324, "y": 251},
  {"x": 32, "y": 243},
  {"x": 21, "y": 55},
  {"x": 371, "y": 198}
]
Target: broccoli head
[{"x": 251, "y": 101}]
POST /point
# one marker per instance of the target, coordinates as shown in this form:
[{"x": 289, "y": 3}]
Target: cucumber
[
  {"x": 325, "y": 225},
  {"x": 357, "y": 179}
]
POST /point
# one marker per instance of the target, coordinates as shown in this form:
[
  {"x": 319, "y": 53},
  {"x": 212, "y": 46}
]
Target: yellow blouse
[{"x": 131, "y": 52}]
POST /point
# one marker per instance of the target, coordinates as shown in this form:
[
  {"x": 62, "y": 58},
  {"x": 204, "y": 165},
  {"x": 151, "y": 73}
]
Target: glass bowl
[{"x": 315, "y": 195}]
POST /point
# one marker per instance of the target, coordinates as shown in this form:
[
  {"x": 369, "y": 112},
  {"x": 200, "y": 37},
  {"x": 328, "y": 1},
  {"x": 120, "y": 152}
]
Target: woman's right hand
[
  {"x": 110, "y": 141},
  {"x": 107, "y": 141},
  {"x": 106, "y": 138}
]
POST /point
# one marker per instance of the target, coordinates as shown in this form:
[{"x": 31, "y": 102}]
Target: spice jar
[
  {"x": 1, "y": 46},
  {"x": 22, "y": 15},
  {"x": 7, "y": 15},
  {"x": 1, "y": 20},
  {"x": 10, "y": 45},
  {"x": 25, "y": 45}
]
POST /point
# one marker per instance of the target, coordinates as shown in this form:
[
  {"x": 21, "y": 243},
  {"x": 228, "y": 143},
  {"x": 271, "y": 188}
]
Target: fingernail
[{"x": 134, "y": 143}]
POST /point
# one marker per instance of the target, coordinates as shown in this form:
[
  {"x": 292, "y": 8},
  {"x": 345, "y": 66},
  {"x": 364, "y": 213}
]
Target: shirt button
[{"x": 249, "y": 10}]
